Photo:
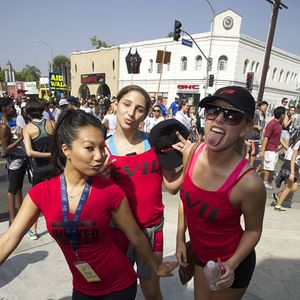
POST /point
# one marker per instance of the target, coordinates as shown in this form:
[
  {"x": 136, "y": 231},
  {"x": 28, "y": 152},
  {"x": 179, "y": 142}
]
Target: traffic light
[
  {"x": 177, "y": 30},
  {"x": 211, "y": 80},
  {"x": 249, "y": 81}
]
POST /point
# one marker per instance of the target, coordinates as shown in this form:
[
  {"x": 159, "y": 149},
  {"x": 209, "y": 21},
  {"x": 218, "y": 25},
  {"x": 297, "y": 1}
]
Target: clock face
[{"x": 228, "y": 22}]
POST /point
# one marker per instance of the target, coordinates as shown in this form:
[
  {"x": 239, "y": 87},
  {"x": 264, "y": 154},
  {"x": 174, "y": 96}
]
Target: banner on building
[
  {"x": 133, "y": 61},
  {"x": 57, "y": 83},
  {"x": 93, "y": 78}
]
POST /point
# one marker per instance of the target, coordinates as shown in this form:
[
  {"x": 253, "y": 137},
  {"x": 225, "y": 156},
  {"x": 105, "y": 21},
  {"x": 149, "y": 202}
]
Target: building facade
[
  {"x": 95, "y": 72},
  {"x": 232, "y": 54},
  {"x": 185, "y": 73}
]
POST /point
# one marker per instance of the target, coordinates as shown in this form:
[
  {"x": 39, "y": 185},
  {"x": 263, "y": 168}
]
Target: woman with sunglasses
[
  {"x": 218, "y": 187},
  {"x": 138, "y": 172},
  {"x": 78, "y": 207}
]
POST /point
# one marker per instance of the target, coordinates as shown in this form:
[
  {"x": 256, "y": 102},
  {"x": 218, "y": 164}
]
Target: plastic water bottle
[{"x": 212, "y": 273}]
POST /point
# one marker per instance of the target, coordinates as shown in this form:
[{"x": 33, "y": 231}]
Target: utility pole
[{"x": 276, "y": 6}]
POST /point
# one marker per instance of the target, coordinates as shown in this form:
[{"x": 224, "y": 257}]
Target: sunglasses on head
[{"x": 231, "y": 116}]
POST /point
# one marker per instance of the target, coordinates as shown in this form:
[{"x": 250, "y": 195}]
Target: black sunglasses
[
  {"x": 156, "y": 110},
  {"x": 231, "y": 116}
]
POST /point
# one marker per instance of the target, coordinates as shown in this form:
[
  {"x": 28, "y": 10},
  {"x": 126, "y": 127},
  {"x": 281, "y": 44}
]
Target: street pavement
[{"x": 37, "y": 269}]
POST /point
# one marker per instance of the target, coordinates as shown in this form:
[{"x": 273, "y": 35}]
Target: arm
[
  {"x": 124, "y": 219},
  {"x": 263, "y": 146},
  {"x": 26, "y": 216},
  {"x": 180, "y": 237},
  {"x": 286, "y": 121},
  {"x": 4, "y": 139},
  {"x": 283, "y": 144},
  {"x": 172, "y": 179},
  {"x": 28, "y": 145},
  {"x": 293, "y": 160},
  {"x": 250, "y": 195}
]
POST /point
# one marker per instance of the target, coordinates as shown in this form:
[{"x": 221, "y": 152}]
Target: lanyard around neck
[{"x": 71, "y": 227}]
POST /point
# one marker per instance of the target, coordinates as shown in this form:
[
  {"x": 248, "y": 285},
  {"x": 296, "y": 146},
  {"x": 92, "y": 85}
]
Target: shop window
[
  {"x": 150, "y": 69},
  {"x": 257, "y": 67},
  {"x": 281, "y": 76},
  {"x": 287, "y": 77},
  {"x": 246, "y": 63},
  {"x": 222, "y": 63},
  {"x": 198, "y": 63},
  {"x": 183, "y": 64},
  {"x": 274, "y": 74},
  {"x": 159, "y": 68}
]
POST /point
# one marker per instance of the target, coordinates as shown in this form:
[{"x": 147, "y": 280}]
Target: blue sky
[{"x": 68, "y": 25}]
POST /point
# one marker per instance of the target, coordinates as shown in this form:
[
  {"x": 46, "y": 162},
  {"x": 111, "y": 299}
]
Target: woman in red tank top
[
  {"x": 137, "y": 172},
  {"x": 218, "y": 188}
]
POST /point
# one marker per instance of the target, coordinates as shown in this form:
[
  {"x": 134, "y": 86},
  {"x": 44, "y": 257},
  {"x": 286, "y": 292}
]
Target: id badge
[{"x": 87, "y": 272}]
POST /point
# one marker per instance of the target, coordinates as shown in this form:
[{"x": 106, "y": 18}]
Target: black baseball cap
[
  {"x": 73, "y": 100},
  {"x": 161, "y": 138},
  {"x": 237, "y": 96},
  {"x": 4, "y": 101}
]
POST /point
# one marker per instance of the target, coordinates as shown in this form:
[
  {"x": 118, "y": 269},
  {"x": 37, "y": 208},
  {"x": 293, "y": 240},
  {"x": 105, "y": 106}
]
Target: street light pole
[
  {"x": 51, "y": 54},
  {"x": 209, "y": 61}
]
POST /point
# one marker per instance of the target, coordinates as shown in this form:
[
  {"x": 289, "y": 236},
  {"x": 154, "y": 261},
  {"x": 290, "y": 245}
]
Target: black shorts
[
  {"x": 16, "y": 178},
  {"x": 243, "y": 273},
  {"x": 287, "y": 165},
  {"x": 42, "y": 173},
  {"x": 126, "y": 294}
]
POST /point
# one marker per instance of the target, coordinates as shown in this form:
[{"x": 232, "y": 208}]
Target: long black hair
[{"x": 66, "y": 131}]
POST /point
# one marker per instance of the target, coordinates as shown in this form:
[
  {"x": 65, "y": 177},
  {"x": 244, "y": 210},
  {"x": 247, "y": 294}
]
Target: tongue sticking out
[{"x": 214, "y": 138}]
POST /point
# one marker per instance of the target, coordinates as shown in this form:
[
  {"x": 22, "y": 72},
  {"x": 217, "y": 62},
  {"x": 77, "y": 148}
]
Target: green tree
[
  {"x": 170, "y": 34},
  {"x": 2, "y": 75},
  {"x": 97, "y": 44},
  {"x": 29, "y": 73},
  {"x": 58, "y": 63}
]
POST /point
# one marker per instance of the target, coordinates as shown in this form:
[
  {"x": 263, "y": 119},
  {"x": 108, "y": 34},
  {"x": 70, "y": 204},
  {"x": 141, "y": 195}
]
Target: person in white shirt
[
  {"x": 182, "y": 115},
  {"x": 290, "y": 163},
  {"x": 109, "y": 120}
]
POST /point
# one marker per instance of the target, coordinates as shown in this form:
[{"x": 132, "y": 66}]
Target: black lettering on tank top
[
  {"x": 128, "y": 172},
  {"x": 203, "y": 208},
  {"x": 188, "y": 201}
]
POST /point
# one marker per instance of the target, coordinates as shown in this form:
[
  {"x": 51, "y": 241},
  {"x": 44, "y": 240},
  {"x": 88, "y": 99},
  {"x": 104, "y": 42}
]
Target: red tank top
[
  {"x": 140, "y": 177},
  {"x": 213, "y": 223}
]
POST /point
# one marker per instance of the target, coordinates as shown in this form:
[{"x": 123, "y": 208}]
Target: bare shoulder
[{"x": 251, "y": 187}]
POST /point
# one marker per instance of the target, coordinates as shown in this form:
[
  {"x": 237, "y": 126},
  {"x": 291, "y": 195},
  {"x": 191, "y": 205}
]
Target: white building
[{"x": 233, "y": 55}]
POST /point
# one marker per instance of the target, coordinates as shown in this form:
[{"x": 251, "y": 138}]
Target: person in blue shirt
[
  {"x": 163, "y": 108},
  {"x": 174, "y": 107}
]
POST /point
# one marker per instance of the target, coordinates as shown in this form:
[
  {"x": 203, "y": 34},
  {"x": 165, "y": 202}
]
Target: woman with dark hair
[
  {"x": 218, "y": 188},
  {"x": 78, "y": 207},
  {"x": 292, "y": 166},
  {"x": 137, "y": 171},
  {"x": 38, "y": 136}
]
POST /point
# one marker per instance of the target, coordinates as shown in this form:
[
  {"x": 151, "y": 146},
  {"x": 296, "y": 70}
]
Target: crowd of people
[{"x": 92, "y": 184}]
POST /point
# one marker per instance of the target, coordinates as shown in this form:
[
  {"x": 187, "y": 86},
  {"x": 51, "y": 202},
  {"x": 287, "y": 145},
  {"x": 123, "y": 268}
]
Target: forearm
[
  {"x": 172, "y": 180},
  {"x": 11, "y": 147},
  {"x": 247, "y": 243},
  {"x": 264, "y": 144},
  {"x": 7, "y": 245},
  {"x": 38, "y": 154},
  {"x": 142, "y": 246},
  {"x": 181, "y": 225}
]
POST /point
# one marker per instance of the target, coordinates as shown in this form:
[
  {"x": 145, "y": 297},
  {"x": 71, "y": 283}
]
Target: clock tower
[{"x": 227, "y": 23}]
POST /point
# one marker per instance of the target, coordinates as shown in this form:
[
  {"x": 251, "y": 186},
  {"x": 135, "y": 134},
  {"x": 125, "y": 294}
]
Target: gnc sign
[{"x": 188, "y": 88}]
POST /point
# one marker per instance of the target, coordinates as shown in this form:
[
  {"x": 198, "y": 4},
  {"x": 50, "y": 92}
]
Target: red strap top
[{"x": 213, "y": 223}]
